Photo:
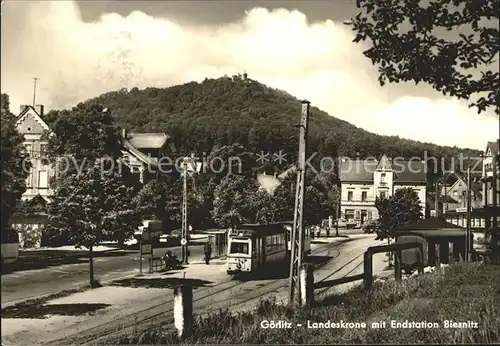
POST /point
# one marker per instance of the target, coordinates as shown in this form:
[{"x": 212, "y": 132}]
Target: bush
[
  {"x": 30, "y": 235},
  {"x": 465, "y": 292}
]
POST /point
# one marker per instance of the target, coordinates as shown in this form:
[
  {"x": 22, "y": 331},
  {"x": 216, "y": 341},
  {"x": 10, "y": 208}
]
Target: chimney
[
  {"x": 39, "y": 109},
  {"x": 22, "y": 108},
  {"x": 124, "y": 133}
]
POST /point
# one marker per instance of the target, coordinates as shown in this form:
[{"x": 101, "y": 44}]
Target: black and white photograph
[{"x": 182, "y": 172}]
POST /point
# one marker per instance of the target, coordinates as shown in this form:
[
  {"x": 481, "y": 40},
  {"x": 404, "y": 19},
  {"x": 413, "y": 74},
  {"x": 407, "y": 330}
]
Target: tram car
[
  {"x": 253, "y": 247},
  {"x": 307, "y": 236}
]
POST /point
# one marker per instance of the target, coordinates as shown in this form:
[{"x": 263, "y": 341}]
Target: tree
[
  {"x": 198, "y": 208},
  {"x": 93, "y": 196},
  {"x": 85, "y": 133},
  {"x": 94, "y": 205},
  {"x": 15, "y": 165},
  {"x": 399, "y": 209},
  {"x": 201, "y": 117},
  {"x": 317, "y": 203},
  {"x": 418, "y": 54},
  {"x": 231, "y": 201},
  {"x": 151, "y": 201}
]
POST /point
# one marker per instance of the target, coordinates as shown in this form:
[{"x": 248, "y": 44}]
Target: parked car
[
  {"x": 344, "y": 223},
  {"x": 173, "y": 238}
]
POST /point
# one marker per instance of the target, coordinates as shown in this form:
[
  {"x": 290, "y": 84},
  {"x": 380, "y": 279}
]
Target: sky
[{"x": 81, "y": 49}]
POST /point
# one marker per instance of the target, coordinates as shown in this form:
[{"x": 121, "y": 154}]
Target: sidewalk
[
  {"x": 327, "y": 240},
  {"x": 32, "y": 259},
  {"x": 95, "y": 307}
]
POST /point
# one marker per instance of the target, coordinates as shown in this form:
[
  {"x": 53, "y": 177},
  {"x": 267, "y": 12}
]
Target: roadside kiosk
[{"x": 149, "y": 230}]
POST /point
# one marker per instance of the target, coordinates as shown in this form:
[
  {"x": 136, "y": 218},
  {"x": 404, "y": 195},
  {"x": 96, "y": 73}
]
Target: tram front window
[{"x": 239, "y": 248}]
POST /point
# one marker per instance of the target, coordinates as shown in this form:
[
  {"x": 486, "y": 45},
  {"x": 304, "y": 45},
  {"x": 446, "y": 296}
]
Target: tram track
[
  {"x": 322, "y": 291},
  {"x": 157, "y": 314}
]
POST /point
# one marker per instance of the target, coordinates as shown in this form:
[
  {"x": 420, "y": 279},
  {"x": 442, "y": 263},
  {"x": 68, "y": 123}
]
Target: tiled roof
[
  {"x": 148, "y": 160},
  {"x": 286, "y": 173},
  {"x": 37, "y": 116},
  {"x": 428, "y": 224},
  {"x": 147, "y": 140},
  {"x": 410, "y": 172},
  {"x": 413, "y": 172},
  {"x": 357, "y": 170},
  {"x": 493, "y": 146}
]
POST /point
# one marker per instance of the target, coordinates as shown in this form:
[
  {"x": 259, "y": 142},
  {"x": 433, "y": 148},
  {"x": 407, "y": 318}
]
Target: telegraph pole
[
  {"x": 188, "y": 164},
  {"x": 337, "y": 212},
  {"x": 436, "y": 202},
  {"x": 297, "y": 241},
  {"x": 494, "y": 187},
  {"x": 494, "y": 211},
  {"x": 339, "y": 190},
  {"x": 34, "y": 90},
  {"x": 184, "y": 214},
  {"x": 468, "y": 246}
]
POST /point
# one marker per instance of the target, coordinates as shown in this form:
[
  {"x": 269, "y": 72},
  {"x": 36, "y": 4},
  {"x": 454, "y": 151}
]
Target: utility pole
[
  {"x": 337, "y": 212},
  {"x": 495, "y": 234},
  {"x": 188, "y": 164},
  {"x": 468, "y": 246},
  {"x": 436, "y": 202},
  {"x": 337, "y": 207},
  {"x": 297, "y": 240},
  {"x": 185, "y": 239},
  {"x": 494, "y": 199},
  {"x": 34, "y": 90}
]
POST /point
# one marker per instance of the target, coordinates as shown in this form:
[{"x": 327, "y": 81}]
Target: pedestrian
[{"x": 208, "y": 252}]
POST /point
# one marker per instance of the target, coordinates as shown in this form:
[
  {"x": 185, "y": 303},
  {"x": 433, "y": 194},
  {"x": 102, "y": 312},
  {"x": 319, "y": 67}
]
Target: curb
[
  {"x": 103, "y": 283},
  {"x": 219, "y": 262}
]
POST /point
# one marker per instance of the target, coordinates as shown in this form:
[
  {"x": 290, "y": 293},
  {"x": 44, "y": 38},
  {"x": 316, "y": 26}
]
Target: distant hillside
[{"x": 216, "y": 112}]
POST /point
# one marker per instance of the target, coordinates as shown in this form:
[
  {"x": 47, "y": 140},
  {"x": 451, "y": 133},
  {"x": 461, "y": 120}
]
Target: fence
[
  {"x": 183, "y": 295},
  {"x": 367, "y": 275}
]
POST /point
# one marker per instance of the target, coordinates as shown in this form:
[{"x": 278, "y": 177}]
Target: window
[
  {"x": 349, "y": 214},
  {"x": 369, "y": 215},
  {"x": 29, "y": 148},
  {"x": 357, "y": 215},
  {"x": 383, "y": 195},
  {"x": 364, "y": 195},
  {"x": 237, "y": 247},
  {"x": 43, "y": 150},
  {"x": 382, "y": 178},
  {"x": 43, "y": 182},
  {"x": 29, "y": 179},
  {"x": 349, "y": 195}
]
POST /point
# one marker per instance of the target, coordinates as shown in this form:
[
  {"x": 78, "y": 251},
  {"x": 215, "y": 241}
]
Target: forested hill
[{"x": 216, "y": 112}]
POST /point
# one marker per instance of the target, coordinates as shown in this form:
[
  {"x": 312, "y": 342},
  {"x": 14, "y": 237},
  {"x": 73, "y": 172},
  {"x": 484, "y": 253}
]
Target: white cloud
[{"x": 76, "y": 60}]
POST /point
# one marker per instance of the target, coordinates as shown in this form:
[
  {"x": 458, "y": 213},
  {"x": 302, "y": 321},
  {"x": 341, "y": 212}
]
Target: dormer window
[{"x": 382, "y": 178}]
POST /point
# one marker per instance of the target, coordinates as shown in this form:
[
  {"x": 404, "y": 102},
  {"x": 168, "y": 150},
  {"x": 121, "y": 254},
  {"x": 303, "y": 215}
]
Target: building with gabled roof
[
  {"x": 362, "y": 181},
  {"x": 142, "y": 152},
  {"x": 31, "y": 125},
  {"x": 146, "y": 154},
  {"x": 488, "y": 163}
]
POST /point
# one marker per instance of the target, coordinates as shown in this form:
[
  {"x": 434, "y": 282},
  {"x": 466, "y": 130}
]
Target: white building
[
  {"x": 362, "y": 181},
  {"x": 491, "y": 150}
]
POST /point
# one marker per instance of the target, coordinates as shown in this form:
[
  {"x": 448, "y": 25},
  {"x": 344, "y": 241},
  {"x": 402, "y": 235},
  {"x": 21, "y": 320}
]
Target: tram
[
  {"x": 307, "y": 237},
  {"x": 253, "y": 248}
]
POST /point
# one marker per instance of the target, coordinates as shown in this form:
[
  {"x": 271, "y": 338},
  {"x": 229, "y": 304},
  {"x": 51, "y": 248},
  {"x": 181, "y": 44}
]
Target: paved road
[
  {"x": 236, "y": 295},
  {"x": 32, "y": 283}
]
